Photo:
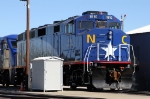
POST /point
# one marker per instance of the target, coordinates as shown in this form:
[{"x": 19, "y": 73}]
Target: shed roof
[{"x": 143, "y": 29}]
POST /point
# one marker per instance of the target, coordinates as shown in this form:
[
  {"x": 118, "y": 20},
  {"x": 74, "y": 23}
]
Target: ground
[{"x": 14, "y": 93}]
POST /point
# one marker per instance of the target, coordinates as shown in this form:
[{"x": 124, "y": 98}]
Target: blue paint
[{"x": 73, "y": 46}]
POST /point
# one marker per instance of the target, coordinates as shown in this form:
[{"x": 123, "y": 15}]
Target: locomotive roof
[
  {"x": 13, "y": 36},
  {"x": 58, "y": 22},
  {"x": 143, "y": 29}
]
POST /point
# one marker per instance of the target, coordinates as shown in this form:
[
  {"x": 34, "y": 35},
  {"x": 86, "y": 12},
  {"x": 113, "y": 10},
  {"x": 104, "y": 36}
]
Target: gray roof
[{"x": 143, "y": 29}]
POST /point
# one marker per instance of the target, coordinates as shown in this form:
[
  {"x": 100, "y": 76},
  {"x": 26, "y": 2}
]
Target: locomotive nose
[
  {"x": 95, "y": 41},
  {"x": 103, "y": 44}
]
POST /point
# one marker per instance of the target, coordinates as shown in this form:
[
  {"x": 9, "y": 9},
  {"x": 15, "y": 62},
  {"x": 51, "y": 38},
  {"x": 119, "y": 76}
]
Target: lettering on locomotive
[
  {"x": 123, "y": 37},
  {"x": 91, "y": 38}
]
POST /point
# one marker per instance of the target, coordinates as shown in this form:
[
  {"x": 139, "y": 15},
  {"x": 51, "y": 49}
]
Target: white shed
[{"x": 47, "y": 74}]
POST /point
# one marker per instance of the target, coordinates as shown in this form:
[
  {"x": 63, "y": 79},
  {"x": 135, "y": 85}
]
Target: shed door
[{"x": 53, "y": 75}]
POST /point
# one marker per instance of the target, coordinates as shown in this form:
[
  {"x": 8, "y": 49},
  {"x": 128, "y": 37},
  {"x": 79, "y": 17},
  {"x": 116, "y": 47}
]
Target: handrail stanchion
[{"x": 98, "y": 52}]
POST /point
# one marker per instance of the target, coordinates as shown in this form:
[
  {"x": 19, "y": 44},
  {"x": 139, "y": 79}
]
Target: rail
[
  {"x": 88, "y": 53},
  {"x": 128, "y": 49}
]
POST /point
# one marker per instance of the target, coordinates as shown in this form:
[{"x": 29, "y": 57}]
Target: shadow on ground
[
  {"x": 111, "y": 91},
  {"x": 13, "y": 93},
  {"x": 39, "y": 96}
]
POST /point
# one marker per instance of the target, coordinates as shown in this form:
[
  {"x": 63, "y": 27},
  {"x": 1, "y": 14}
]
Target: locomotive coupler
[{"x": 115, "y": 75}]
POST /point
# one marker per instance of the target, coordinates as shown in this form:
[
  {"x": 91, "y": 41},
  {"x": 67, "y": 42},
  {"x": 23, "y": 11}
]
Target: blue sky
[{"x": 13, "y": 12}]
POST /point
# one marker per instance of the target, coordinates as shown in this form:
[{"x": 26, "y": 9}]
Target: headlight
[
  {"x": 110, "y": 33},
  {"x": 110, "y": 37}
]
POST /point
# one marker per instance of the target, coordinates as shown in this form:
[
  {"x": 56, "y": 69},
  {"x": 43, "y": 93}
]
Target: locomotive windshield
[
  {"x": 85, "y": 25},
  {"x": 114, "y": 25},
  {"x": 14, "y": 44},
  {"x": 101, "y": 24}
]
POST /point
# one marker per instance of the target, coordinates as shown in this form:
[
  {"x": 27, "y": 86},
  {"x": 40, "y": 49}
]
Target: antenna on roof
[{"x": 122, "y": 20}]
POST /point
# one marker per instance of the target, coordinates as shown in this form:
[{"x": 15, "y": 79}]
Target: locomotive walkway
[{"x": 14, "y": 93}]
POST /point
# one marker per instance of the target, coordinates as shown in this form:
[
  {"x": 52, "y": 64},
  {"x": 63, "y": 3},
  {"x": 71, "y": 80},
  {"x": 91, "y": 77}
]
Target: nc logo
[
  {"x": 123, "y": 37},
  {"x": 91, "y": 38}
]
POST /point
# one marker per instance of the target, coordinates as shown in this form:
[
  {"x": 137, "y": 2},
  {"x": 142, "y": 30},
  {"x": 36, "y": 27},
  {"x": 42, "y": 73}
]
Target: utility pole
[
  {"x": 122, "y": 20},
  {"x": 27, "y": 41}
]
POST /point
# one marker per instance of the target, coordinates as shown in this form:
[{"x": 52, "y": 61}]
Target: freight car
[{"x": 95, "y": 50}]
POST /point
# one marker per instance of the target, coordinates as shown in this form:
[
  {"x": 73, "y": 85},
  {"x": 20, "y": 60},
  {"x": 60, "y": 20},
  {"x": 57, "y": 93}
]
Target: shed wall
[{"x": 141, "y": 44}]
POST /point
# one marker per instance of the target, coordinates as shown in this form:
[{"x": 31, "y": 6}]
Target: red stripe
[
  {"x": 75, "y": 63},
  {"x": 111, "y": 62}
]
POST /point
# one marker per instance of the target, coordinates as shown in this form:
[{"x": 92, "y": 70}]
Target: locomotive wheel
[
  {"x": 73, "y": 87},
  {"x": 89, "y": 87},
  {"x": 15, "y": 83},
  {"x": 92, "y": 88},
  {"x": 7, "y": 84},
  {"x": 112, "y": 89},
  {"x": 7, "y": 79},
  {"x": 3, "y": 84}
]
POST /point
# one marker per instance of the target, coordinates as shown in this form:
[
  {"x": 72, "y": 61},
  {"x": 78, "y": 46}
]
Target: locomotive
[
  {"x": 96, "y": 52},
  {"x": 8, "y": 58}
]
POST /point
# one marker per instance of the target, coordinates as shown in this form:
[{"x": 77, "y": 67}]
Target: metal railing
[
  {"x": 87, "y": 54},
  {"x": 97, "y": 45}
]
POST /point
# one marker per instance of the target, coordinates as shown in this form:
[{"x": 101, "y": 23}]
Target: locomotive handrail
[
  {"x": 87, "y": 52},
  {"x": 129, "y": 59},
  {"x": 86, "y": 57},
  {"x": 86, "y": 30},
  {"x": 98, "y": 51},
  {"x": 128, "y": 51},
  {"x": 120, "y": 50}
]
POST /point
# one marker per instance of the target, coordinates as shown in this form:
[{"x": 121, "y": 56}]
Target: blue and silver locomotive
[{"x": 95, "y": 50}]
